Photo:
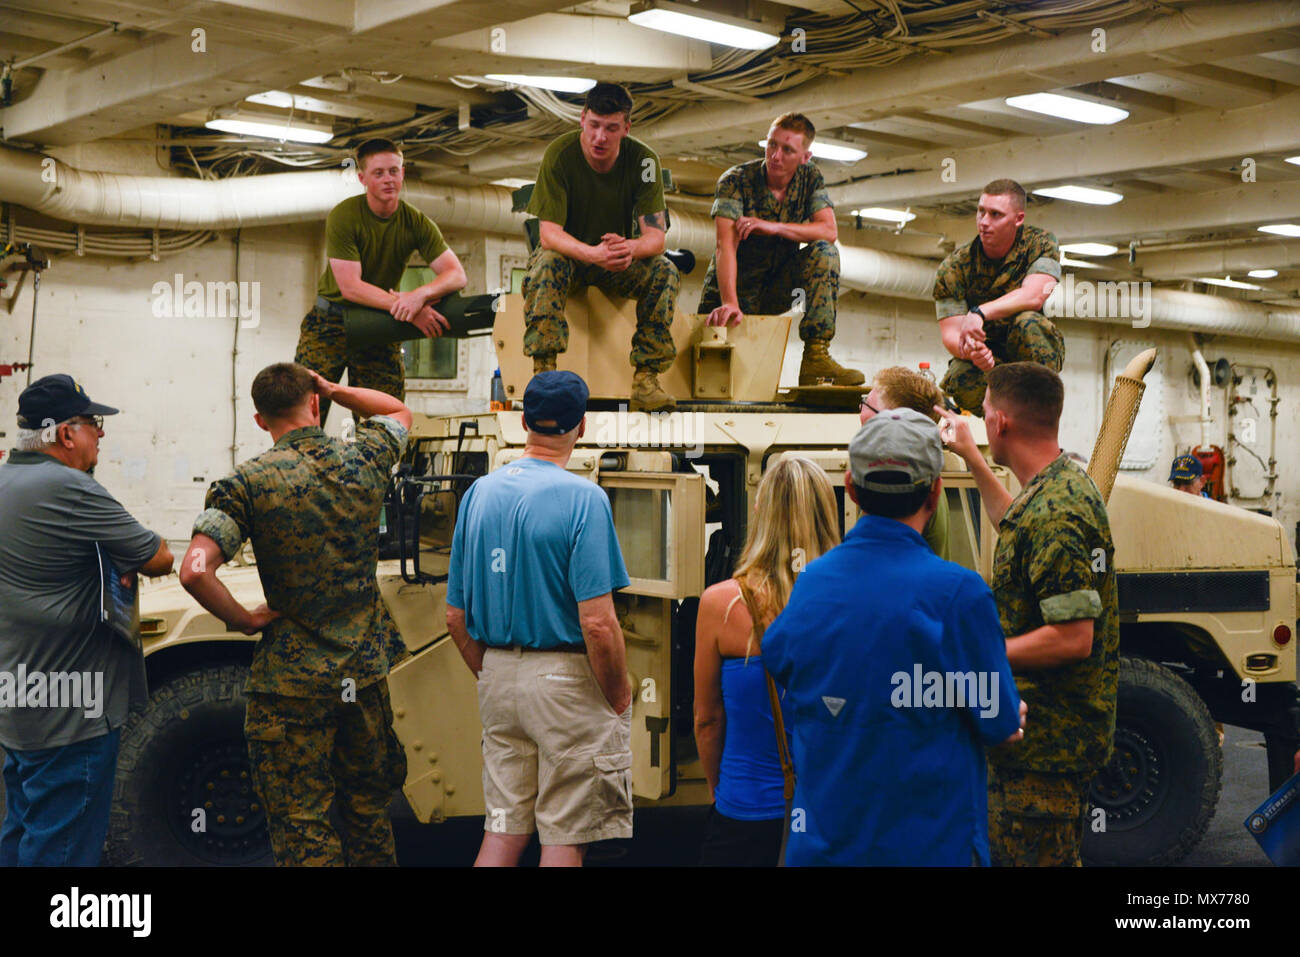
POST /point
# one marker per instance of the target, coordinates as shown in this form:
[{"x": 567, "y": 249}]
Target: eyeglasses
[
  {"x": 868, "y": 405},
  {"x": 96, "y": 420}
]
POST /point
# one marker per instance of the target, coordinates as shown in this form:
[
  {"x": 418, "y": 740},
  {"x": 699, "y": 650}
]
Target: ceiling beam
[
  {"x": 1233, "y": 260},
  {"x": 1026, "y": 66},
  {"x": 1246, "y": 85},
  {"x": 133, "y": 89},
  {"x": 1163, "y": 215},
  {"x": 532, "y": 45},
  {"x": 1106, "y": 151},
  {"x": 167, "y": 77},
  {"x": 404, "y": 90}
]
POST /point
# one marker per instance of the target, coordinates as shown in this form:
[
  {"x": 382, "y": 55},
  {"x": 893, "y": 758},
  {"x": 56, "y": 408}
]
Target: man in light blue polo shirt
[
  {"x": 895, "y": 674},
  {"x": 530, "y": 605}
]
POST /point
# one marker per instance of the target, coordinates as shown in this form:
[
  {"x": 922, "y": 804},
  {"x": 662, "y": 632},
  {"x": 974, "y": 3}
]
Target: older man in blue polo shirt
[
  {"x": 895, "y": 674},
  {"x": 530, "y": 605}
]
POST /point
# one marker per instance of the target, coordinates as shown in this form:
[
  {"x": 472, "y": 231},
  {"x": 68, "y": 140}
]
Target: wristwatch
[{"x": 980, "y": 312}]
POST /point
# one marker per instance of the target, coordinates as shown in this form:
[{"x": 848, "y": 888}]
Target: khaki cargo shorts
[{"x": 556, "y": 758}]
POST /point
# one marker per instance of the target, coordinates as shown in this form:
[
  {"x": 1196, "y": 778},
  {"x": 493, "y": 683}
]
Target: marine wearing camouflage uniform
[
  {"x": 968, "y": 278},
  {"x": 553, "y": 277},
  {"x": 322, "y": 347},
  {"x": 587, "y": 205},
  {"x": 319, "y": 723},
  {"x": 1054, "y": 563},
  {"x": 768, "y": 268}
]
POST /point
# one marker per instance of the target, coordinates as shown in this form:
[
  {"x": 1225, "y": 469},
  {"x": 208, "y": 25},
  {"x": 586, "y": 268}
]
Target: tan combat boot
[
  {"x": 648, "y": 396},
  {"x": 818, "y": 368},
  {"x": 544, "y": 363}
]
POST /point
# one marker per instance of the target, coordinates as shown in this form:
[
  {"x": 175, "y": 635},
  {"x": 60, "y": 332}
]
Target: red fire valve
[{"x": 1212, "y": 467}]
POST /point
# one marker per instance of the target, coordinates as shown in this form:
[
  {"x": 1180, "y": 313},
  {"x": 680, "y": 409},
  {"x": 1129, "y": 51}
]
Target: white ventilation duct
[
  {"x": 886, "y": 274},
  {"x": 1136, "y": 304},
  {"x": 44, "y": 184}
]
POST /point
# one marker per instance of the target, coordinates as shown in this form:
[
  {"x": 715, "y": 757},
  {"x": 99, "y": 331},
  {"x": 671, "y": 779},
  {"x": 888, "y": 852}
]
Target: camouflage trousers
[
  {"x": 1036, "y": 819},
  {"x": 652, "y": 282},
  {"x": 809, "y": 278},
  {"x": 322, "y": 347},
  {"x": 311, "y": 754},
  {"x": 1025, "y": 337}
]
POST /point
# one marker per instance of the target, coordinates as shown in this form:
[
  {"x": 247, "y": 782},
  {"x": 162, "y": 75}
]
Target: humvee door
[{"x": 659, "y": 518}]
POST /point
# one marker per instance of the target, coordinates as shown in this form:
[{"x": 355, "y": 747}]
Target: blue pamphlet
[
  {"x": 1276, "y": 824},
  {"x": 119, "y": 606}
]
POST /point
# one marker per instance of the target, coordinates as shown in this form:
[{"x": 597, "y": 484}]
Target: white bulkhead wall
[{"x": 171, "y": 375}]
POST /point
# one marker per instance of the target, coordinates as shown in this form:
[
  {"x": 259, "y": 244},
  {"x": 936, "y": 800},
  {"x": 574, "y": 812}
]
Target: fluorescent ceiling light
[
  {"x": 1228, "y": 281},
  {"x": 1078, "y": 263},
  {"x": 1281, "y": 229},
  {"x": 1068, "y": 108},
  {"x": 1081, "y": 194},
  {"x": 1262, "y": 273},
  {"x": 268, "y": 128},
  {"x": 688, "y": 21},
  {"x": 561, "y": 84},
  {"x": 888, "y": 215},
  {"x": 1090, "y": 249},
  {"x": 1293, "y": 159},
  {"x": 831, "y": 151}
]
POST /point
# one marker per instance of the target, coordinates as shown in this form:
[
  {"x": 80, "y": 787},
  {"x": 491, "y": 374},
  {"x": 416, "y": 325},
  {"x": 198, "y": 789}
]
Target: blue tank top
[{"x": 750, "y": 784}]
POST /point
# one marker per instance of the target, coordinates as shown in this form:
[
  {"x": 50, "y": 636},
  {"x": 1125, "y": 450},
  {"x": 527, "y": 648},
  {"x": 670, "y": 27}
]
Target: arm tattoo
[{"x": 656, "y": 221}]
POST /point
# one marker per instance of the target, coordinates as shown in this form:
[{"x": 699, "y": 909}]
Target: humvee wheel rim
[
  {"x": 216, "y": 778},
  {"x": 1132, "y": 787}
]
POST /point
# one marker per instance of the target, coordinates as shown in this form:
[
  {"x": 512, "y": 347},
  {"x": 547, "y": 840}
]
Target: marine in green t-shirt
[
  {"x": 600, "y": 199},
  {"x": 368, "y": 240},
  {"x": 989, "y": 296}
]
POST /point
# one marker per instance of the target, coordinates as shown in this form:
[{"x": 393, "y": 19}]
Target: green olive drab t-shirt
[
  {"x": 382, "y": 246},
  {"x": 588, "y": 204}
]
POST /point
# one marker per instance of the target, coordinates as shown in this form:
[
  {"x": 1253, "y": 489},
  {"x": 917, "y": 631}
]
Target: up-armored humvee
[{"x": 1207, "y": 620}]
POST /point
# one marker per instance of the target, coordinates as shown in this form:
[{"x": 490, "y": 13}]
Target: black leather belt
[{"x": 569, "y": 649}]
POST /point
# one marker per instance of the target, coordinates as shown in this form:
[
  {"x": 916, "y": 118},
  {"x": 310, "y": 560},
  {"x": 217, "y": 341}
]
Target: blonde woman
[{"x": 795, "y": 520}]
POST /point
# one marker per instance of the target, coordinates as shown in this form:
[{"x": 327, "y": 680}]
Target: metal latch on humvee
[{"x": 1206, "y": 620}]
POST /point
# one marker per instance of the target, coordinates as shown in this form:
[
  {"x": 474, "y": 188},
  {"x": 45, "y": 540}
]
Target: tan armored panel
[
  {"x": 600, "y": 338},
  {"x": 1157, "y": 528}
]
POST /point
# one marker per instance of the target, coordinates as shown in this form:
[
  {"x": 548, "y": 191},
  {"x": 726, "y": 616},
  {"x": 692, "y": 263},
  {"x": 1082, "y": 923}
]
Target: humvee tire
[
  {"x": 1163, "y": 780},
  {"x": 185, "y": 752}
]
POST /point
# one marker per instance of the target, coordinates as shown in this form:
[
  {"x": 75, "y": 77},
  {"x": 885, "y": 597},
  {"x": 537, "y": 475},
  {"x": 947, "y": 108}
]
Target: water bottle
[
  {"x": 498, "y": 401},
  {"x": 925, "y": 371}
]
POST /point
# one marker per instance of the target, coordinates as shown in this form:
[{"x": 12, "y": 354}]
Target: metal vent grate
[{"x": 1194, "y": 591}]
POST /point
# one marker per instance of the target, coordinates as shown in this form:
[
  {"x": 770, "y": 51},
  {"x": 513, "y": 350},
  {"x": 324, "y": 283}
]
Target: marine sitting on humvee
[{"x": 595, "y": 187}]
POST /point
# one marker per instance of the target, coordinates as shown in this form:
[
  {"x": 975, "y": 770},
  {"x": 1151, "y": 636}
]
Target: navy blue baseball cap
[
  {"x": 555, "y": 396},
  {"x": 1186, "y": 468},
  {"x": 56, "y": 398}
]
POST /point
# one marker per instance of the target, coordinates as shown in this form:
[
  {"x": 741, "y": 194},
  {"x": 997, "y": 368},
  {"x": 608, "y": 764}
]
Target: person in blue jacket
[{"x": 895, "y": 673}]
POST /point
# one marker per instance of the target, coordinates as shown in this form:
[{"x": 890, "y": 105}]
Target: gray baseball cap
[{"x": 896, "y": 440}]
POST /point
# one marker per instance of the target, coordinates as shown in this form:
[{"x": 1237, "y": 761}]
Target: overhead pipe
[
  {"x": 1203, "y": 373},
  {"x": 51, "y": 187}
]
